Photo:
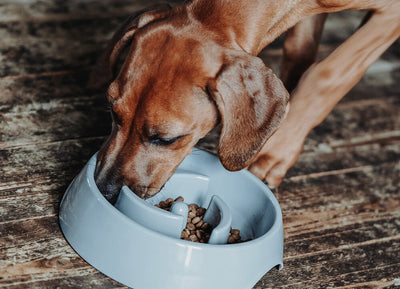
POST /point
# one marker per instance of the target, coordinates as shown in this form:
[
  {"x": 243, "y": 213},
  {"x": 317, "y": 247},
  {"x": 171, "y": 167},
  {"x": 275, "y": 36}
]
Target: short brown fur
[{"x": 193, "y": 66}]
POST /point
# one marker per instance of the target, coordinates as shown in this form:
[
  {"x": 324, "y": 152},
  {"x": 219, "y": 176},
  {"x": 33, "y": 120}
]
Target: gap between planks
[
  {"x": 377, "y": 138},
  {"x": 70, "y": 17},
  {"x": 49, "y": 141},
  {"x": 125, "y": 11},
  {"x": 305, "y": 228},
  {"x": 41, "y": 74},
  {"x": 375, "y": 284},
  {"x": 365, "y": 169},
  {"x": 368, "y": 168},
  {"x": 344, "y": 247},
  {"x": 29, "y": 219},
  {"x": 44, "y": 275},
  {"x": 371, "y": 284}
]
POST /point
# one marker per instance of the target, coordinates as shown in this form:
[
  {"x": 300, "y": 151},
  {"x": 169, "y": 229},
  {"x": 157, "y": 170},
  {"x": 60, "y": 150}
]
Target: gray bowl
[{"x": 138, "y": 244}]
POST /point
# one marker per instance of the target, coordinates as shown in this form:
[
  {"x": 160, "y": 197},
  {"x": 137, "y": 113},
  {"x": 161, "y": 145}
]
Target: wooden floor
[{"x": 340, "y": 202}]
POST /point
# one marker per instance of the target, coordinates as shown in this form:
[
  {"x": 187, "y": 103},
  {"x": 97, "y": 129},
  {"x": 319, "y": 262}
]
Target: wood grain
[{"x": 340, "y": 201}]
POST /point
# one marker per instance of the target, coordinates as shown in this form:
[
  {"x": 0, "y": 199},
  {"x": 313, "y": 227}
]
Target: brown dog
[{"x": 193, "y": 66}]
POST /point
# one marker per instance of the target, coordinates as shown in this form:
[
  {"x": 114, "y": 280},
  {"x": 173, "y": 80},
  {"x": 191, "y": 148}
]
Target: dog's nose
[
  {"x": 110, "y": 190},
  {"x": 144, "y": 192},
  {"x": 108, "y": 181}
]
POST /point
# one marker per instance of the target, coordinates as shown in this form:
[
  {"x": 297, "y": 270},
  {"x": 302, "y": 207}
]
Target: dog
[{"x": 173, "y": 74}]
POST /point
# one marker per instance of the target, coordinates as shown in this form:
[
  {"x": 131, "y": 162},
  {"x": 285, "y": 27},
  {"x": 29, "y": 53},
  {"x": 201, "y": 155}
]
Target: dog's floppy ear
[
  {"x": 251, "y": 101},
  {"x": 105, "y": 70}
]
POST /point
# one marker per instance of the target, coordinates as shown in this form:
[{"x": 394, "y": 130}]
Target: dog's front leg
[
  {"x": 321, "y": 88},
  {"x": 300, "y": 49}
]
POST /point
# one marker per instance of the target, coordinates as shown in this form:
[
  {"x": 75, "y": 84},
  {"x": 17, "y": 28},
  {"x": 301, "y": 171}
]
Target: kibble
[
  {"x": 195, "y": 220},
  {"x": 191, "y": 226},
  {"x": 191, "y": 214},
  {"x": 196, "y": 229},
  {"x": 201, "y": 211},
  {"x": 199, "y": 224},
  {"x": 185, "y": 234},
  {"x": 193, "y": 238}
]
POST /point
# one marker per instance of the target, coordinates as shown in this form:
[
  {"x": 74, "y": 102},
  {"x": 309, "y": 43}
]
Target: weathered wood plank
[
  {"x": 347, "y": 231},
  {"x": 28, "y": 206},
  {"x": 55, "y": 121},
  {"x": 373, "y": 189},
  {"x": 31, "y": 47},
  {"x": 48, "y": 10},
  {"x": 34, "y": 254},
  {"x": 348, "y": 154},
  {"x": 49, "y": 108},
  {"x": 42, "y": 242},
  {"x": 348, "y": 122},
  {"x": 47, "y": 165},
  {"x": 376, "y": 278},
  {"x": 86, "y": 278},
  {"x": 21, "y": 92}
]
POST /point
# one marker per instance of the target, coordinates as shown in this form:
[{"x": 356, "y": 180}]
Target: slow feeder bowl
[{"x": 138, "y": 244}]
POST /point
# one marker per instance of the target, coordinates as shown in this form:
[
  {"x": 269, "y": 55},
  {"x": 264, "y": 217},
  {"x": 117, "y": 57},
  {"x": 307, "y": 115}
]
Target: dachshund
[{"x": 173, "y": 74}]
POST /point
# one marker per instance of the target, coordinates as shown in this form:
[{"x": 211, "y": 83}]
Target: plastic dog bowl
[{"x": 139, "y": 245}]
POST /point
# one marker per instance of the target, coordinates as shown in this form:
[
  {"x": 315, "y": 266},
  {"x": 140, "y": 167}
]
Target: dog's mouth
[
  {"x": 111, "y": 190},
  {"x": 145, "y": 192},
  {"x": 110, "y": 182}
]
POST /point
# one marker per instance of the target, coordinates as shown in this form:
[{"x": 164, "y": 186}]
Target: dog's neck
[{"x": 249, "y": 25}]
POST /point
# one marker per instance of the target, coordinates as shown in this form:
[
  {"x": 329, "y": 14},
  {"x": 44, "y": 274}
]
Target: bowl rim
[{"x": 277, "y": 224}]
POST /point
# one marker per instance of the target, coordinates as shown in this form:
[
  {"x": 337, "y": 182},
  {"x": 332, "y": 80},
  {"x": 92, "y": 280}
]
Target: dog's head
[{"x": 175, "y": 84}]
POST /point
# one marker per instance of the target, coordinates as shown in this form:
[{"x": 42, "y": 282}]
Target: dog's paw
[
  {"x": 268, "y": 170},
  {"x": 276, "y": 157}
]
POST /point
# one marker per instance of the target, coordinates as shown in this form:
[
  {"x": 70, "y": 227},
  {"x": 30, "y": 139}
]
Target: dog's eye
[{"x": 157, "y": 140}]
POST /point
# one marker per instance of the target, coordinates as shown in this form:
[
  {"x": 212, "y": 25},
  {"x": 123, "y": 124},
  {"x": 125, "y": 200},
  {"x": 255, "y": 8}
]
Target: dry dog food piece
[
  {"x": 166, "y": 205},
  {"x": 234, "y": 237},
  {"x": 196, "y": 229}
]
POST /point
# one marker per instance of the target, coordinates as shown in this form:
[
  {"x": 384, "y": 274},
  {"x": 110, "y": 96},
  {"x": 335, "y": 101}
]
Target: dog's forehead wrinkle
[{"x": 191, "y": 46}]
